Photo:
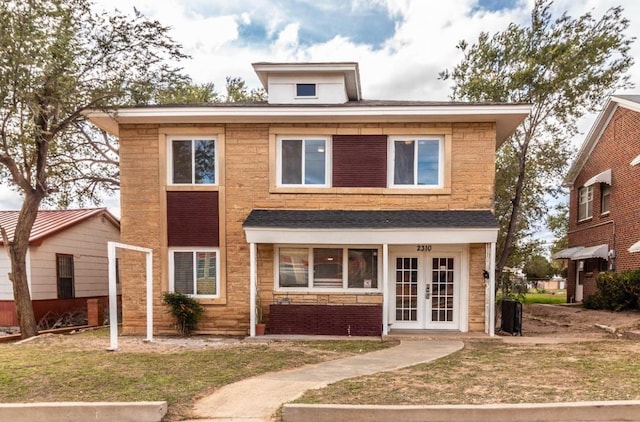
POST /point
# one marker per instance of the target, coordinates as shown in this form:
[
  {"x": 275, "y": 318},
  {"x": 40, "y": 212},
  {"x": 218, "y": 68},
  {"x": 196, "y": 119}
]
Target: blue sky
[{"x": 401, "y": 45}]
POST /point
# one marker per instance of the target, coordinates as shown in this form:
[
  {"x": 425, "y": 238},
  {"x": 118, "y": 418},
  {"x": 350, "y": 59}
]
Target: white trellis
[{"x": 113, "y": 291}]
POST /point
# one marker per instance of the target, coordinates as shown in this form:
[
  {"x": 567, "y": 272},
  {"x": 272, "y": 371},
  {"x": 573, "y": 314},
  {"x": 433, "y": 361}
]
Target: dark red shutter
[
  {"x": 359, "y": 161},
  {"x": 192, "y": 219}
]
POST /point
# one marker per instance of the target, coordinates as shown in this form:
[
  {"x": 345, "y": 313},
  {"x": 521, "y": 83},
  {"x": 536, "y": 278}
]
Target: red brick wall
[
  {"x": 337, "y": 320},
  {"x": 617, "y": 146},
  {"x": 360, "y": 161}
]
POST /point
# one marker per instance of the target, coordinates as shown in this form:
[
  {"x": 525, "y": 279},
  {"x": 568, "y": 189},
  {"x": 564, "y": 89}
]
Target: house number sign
[{"x": 423, "y": 248}]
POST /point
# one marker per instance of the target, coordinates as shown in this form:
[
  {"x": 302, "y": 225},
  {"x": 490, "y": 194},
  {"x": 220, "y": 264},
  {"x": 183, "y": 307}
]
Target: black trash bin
[{"x": 511, "y": 317}]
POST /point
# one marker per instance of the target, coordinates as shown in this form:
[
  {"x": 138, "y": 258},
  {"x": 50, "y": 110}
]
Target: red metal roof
[{"x": 49, "y": 222}]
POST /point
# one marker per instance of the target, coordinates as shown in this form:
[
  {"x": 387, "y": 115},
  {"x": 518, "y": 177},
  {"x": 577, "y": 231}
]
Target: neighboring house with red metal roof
[
  {"x": 66, "y": 261},
  {"x": 604, "y": 183},
  {"x": 318, "y": 211}
]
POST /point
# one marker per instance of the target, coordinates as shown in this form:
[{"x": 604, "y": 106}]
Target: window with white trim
[
  {"x": 303, "y": 161},
  {"x": 306, "y": 90},
  {"x": 327, "y": 268},
  {"x": 416, "y": 161},
  {"x": 192, "y": 161},
  {"x": 605, "y": 195},
  {"x": 585, "y": 203},
  {"x": 195, "y": 272}
]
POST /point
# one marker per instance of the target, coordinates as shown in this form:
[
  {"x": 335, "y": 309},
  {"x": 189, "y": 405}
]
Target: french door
[{"x": 425, "y": 291}]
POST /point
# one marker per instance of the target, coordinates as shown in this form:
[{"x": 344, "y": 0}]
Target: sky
[{"x": 401, "y": 45}]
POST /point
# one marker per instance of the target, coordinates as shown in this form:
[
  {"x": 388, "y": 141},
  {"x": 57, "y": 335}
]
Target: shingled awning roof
[{"x": 369, "y": 227}]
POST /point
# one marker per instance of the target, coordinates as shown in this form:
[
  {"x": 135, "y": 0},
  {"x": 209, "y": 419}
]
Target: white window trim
[
  {"x": 580, "y": 203},
  {"x": 327, "y": 162},
  {"x": 191, "y": 138},
  {"x": 345, "y": 269},
  {"x": 391, "y": 161},
  {"x": 195, "y": 270},
  {"x": 295, "y": 90}
]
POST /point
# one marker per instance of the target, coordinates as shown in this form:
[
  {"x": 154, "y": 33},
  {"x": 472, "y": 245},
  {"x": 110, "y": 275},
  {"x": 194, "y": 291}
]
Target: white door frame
[
  {"x": 579, "y": 295},
  {"x": 461, "y": 288}
]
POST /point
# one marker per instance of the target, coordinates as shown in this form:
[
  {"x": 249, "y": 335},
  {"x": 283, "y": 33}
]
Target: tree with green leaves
[
  {"x": 537, "y": 267},
  {"x": 59, "y": 59},
  {"x": 564, "y": 67}
]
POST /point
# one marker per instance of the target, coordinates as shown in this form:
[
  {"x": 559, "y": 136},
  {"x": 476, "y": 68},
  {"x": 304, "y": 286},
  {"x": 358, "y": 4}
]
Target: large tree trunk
[{"x": 17, "y": 249}]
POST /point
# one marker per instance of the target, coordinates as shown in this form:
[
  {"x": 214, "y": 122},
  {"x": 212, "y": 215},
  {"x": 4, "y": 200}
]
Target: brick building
[
  {"x": 330, "y": 213},
  {"x": 604, "y": 182}
]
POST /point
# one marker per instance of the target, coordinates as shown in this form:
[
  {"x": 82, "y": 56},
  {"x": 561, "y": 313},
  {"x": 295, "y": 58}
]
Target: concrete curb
[
  {"x": 152, "y": 411},
  {"x": 527, "y": 412}
]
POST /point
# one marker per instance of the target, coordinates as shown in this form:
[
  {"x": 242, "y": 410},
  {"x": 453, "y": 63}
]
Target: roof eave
[{"x": 507, "y": 117}]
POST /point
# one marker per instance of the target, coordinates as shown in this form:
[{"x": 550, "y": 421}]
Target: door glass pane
[
  {"x": 205, "y": 161},
  {"x": 294, "y": 267},
  {"x": 406, "y": 289},
  {"x": 183, "y": 272},
  {"x": 181, "y": 156},
  {"x": 292, "y": 162},
  {"x": 314, "y": 155},
  {"x": 442, "y": 289},
  {"x": 403, "y": 161},
  {"x": 428, "y": 162}
]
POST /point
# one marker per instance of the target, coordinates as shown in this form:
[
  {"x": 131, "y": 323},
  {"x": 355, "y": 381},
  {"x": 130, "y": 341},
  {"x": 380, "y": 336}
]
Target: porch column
[
  {"x": 385, "y": 292},
  {"x": 492, "y": 291},
  {"x": 253, "y": 288}
]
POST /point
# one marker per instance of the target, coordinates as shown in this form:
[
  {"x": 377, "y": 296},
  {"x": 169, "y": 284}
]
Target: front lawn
[
  {"x": 48, "y": 370},
  {"x": 554, "y": 297}
]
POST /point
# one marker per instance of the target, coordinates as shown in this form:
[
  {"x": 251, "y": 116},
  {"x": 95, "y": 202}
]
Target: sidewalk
[{"x": 257, "y": 399}]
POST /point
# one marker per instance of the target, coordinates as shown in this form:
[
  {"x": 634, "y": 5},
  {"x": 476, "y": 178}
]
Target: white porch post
[
  {"x": 113, "y": 297},
  {"x": 149, "y": 297},
  {"x": 492, "y": 292},
  {"x": 253, "y": 288},
  {"x": 385, "y": 290}
]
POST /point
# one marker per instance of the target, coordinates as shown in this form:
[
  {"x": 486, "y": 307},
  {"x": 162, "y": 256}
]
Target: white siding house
[{"x": 66, "y": 262}]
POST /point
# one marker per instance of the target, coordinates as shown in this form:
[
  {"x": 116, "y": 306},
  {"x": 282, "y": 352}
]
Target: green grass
[
  {"x": 560, "y": 296},
  {"x": 38, "y": 371},
  {"x": 495, "y": 372}
]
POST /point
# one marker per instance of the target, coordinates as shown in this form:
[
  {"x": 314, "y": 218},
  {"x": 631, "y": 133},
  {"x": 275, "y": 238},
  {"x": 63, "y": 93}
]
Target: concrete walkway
[{"x": 258, "y": 398}]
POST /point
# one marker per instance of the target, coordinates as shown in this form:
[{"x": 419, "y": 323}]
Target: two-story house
[
  {"x": 332, "y": 214},
  {"x": 604, "y": 183}
]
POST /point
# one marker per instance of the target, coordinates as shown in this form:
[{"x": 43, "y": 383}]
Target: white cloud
[{"x": 405, "y": 67}]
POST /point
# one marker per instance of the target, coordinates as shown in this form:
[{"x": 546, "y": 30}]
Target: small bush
[
  {"x": 186, "y": 310},
  {"x": 616, "y": 292}
]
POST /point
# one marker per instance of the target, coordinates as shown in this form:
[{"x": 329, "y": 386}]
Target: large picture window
[
  {"x": 327, "y": 268},
  {"x": 303, "y": 161},
  {"x": 417, "y": 161},
  {"x": 585, "y": 209},
  {"x": 195, "y": 272},
  {"x": 192, "y": 161}
]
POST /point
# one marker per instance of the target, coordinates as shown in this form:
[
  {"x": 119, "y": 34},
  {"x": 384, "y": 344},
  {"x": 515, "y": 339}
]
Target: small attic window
[{"x": 305, "y": 90}]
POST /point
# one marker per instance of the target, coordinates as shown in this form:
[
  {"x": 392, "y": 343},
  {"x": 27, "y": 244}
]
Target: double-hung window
[
  {"x": 585, "y": 208},
  {"x": 195, "y": 272},
  {"x": 192, "y": 161},
  {"x": 303, "y": 161},
  {"x": 327, "y": 268},
  {"x": 605, "y": 194},
  {"x": 416, "y": 161}
]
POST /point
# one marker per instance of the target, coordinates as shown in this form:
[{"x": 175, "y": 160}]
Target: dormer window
[{"x": 306, "y": 90}]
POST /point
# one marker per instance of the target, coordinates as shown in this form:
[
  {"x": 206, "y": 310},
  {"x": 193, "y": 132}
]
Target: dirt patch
[{"x": 574, "y": 321}]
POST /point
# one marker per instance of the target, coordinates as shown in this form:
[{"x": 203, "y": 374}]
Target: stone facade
[{"x": 245, "y": 183}]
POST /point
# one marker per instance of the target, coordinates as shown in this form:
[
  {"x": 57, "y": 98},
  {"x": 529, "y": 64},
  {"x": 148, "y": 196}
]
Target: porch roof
[{"x": 370, "y": 227}]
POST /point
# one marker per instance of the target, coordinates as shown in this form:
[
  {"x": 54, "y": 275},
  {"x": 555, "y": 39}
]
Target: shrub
[
  {"x": 186, "y": 310},
  {"x": 616, "y": 292}
]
